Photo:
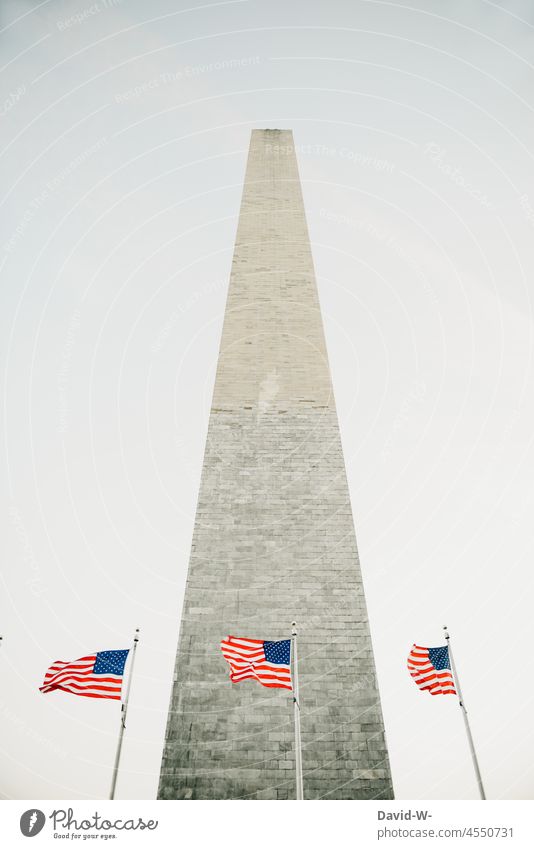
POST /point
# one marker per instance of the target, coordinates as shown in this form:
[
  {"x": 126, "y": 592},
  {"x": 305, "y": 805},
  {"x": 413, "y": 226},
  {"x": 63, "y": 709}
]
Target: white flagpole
[
  {"x": 124, "y": 709},
  {"x": 464, "y": 714},
  {"x": 296, "y": 702}
]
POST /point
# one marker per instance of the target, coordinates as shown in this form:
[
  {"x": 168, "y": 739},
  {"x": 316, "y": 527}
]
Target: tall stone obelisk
[{"x": 274, "y": 536}]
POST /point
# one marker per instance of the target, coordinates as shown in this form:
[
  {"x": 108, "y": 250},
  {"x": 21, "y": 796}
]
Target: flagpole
[
  {"x": 124, "y": 709},
  {"x": 296, "y": 703},
  {"x": 464, "y": 714}
]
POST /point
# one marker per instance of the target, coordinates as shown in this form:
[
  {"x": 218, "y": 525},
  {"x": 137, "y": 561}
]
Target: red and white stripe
[
  {"x": 76, "y": 676},
  {"x": 436, "y": 681},
  {"x": 247, "y": 660}
]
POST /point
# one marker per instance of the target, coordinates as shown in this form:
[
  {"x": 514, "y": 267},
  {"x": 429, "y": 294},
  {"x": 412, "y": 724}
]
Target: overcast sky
[{"x": 125, "y": 135}]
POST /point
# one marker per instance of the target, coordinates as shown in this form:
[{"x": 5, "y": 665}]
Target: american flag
[
  {"x": 98, "y": 676},
  {"x": 266, "y": 661},
  {"x": 431, "y": 669}
]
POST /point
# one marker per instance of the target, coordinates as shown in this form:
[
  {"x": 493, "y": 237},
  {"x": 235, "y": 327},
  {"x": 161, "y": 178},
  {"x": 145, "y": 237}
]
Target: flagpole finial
[{"x": 293, "y": 629}]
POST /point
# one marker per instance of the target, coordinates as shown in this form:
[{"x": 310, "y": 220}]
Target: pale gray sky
[{"x": 125, "y": 132}]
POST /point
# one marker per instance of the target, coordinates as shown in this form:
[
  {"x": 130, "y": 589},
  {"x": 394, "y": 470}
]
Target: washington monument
[{"x": 274, "y": 536}]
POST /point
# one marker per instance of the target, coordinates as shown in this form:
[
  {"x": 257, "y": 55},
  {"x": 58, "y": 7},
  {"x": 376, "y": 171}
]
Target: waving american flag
[
  {"x": 431, "y": 669},
  {"x": 98, "y": 676},
  {"x": 264, "y": 660}
]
